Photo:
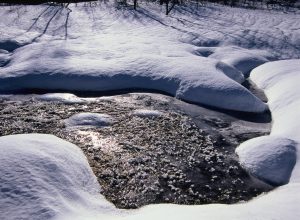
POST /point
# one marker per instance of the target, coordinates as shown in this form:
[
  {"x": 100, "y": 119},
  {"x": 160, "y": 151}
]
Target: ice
[
  {"x": 88, "y": 119},
  {"x": 147, "y": 113}
]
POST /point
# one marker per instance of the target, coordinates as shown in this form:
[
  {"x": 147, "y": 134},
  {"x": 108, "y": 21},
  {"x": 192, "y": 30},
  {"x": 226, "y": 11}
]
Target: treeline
[
  {"x": 170, "y": 4},
  {"x": 36, "y": 2},
  {"x": 254, "y": 3}
]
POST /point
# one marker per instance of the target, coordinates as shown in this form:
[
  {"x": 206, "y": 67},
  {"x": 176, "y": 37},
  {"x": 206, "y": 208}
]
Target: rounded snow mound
[
  {"x": 88, "y": 119},
  {"x": 72, "y": 66},
  {"x": 242, "y": 59},
  {"x": 269, "y": 158},
  {"x": 146, "y": 113},
  {"x": 43, "y": 176},
  {"x": 59, "y": 97}
]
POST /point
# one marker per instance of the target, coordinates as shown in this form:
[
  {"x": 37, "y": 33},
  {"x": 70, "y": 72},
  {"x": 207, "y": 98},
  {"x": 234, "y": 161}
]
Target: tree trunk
[{"x": 135, "y": 4}]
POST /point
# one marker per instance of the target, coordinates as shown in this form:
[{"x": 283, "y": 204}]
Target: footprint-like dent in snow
[
  {"x": 4, "y": 57},
  {"x": 203, "y": 51},
  {"x": 10, "y": 45},
  {"x": 88, "y": 119},
  {"x": 206, "y": 43},
  {"x": 242, "y": 59}
]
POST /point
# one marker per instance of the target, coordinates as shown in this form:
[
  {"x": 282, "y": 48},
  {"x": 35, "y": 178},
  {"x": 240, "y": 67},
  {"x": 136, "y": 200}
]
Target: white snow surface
[
  {"x": 196, "y": 55},
  {"x": 269, "y": 158},
  {"x": 44, "y": 177},
  {"x": 199, "y": 56},
  {"x": 59, "y": 97},
  {"x": 89, "y": 119}
]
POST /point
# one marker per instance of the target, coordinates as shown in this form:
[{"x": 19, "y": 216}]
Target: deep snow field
[{"x": 200, "y": 56}]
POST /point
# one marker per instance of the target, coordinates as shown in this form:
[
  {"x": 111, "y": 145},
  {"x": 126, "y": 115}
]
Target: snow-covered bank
[
  {"x": 196, "y": 55},
  {"x": 280, "y": 82},
  {"x": 284, "y": 199},
  {"x": 43, "y": 177},
  {"x": 281, "y": 203},
  {"x": 193, "y": 55},
  {"x": 196, "y": 79}
]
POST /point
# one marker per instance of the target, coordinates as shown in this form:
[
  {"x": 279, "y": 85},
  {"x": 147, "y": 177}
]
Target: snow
[
  {"x": 88, "y": 119},
  {"x": 281, "y": 203},
  {"x": 59, "y": 97},
  {"x": 280, "y": 82},
  {"x": 269, "y": 158},
  {"x": 43, "y": 177},
  {"x": 147, "y": 113},
  {"x": 23, "y": 167},
  {"x": 243, "y": 60},
  {"x": 4, "y": 57},
  {"x": 199, "y": 56},
  {"x": 274, "y": 154},
  {"x": 207, "y": 83}
]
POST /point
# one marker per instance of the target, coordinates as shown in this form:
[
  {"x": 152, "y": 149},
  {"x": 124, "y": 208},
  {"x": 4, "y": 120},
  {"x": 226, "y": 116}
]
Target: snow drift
[
  {"x": 46, "y": 66},
  {"x": 43, "y": 177},
  {"x": 269, "y": 158},
  {"x": 196, "y": 55},
  {"x": 58, "y": 181}
]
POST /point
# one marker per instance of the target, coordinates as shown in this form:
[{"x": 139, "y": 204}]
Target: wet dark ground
[{"x": 185, "y": 156}]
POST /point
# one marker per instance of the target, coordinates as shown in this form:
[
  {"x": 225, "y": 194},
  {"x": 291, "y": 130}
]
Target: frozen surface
[
  {"x": 43, "y": 177},
  {"x": 88, "y": 119}
]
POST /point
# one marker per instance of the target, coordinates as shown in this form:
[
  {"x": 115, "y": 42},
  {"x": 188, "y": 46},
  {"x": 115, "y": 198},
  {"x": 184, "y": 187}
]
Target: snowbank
[
  {"x": 50, "y": 177},
  {"x": 43, "y": 177},
  {"x": 195, "y": 55},
  {"x": 244, "y": 60},
  {"x": 88, "y": 119},
  {"x": 269, "y": 158},
  {"x": 180, "y": 54},
  {"x": 280, "y": 82},
  {"x": 275, "y": 156},
  {"x": 59, "y": 97},
  {"x": 47, "y": 66}
]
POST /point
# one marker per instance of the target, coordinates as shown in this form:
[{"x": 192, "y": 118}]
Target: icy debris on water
[
  {"x": 88, "y": 119},
  {"x": 146, "y": 113}
]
